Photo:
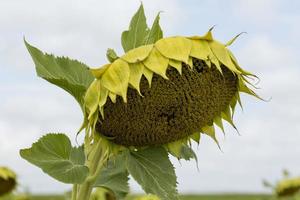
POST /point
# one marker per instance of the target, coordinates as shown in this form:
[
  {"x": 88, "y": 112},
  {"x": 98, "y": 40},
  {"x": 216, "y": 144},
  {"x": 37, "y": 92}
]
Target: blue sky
[{"x": 270, "y": 131}]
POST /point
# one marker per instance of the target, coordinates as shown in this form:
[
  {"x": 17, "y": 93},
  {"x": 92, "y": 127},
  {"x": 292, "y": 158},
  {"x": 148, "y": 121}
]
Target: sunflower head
[
  {"x": 288, "y": 187},
  {"x": 7, "y": 180},
  {"x": 165, "y": 92}
]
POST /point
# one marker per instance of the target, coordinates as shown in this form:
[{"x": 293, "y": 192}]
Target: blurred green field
[
  {"x": 185, "y": 197},
  {"x": 222, "y": 197}
]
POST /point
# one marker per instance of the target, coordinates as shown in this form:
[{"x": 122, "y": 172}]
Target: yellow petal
[
  {"x": 219, "y": 123},
  {"x": 227, "y": 116},
  {"x": 175, "y": 148},
  {"x": 239, "y": 100},
  {"x": 176, "y": 64},
  {"x": 136, "y": 72},
  {"x": 196, "y": 137},
  {"x": 97, "y": 73},
  {"x": 101, "y": 110},
  {"x": 177, "y": 48},
  {"x": 103, "y": 98},
  {"x": 92, "y": 97},
  {"x": 233, "y": 104},
  {"x": 148, "y": 74},
  {"x": 220, "y": 52},
  {"x": 103, "y": 95},
  {"x": 208, "y": 36},
  {"x": 216, "y": 62},
  {"x": 208, "y": 63},
  {"x": 112, "y": 96},
  {"x": 116, "y": 78},
  {"x": 244, "y": 88},
  {"x": 210, "y": 131},
  {"x": 157, "y": 63},
  {"x": 138, "y": 54},
  {"x": 234, "y": 60},
  {"x": 190, "y": 62},
  {"x": 200, "y": 49}
]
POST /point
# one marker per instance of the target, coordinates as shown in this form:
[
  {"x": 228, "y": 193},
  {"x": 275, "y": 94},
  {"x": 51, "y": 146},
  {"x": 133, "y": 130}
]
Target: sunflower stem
[
  {"x": 98, "y": 158},
  {"x": 74, "y": 192}
]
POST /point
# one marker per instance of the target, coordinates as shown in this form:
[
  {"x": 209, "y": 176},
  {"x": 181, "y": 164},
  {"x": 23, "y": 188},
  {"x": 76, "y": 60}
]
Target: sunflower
[
  {"x": 288, "y": 187},
  {"x": 156, "y": 98},
  {"x": 166, "y": 93},
  {"x": 7, "y": 180}
]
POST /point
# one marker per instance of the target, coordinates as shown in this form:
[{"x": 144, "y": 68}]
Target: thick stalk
[
  {"x": 85, "y": 191},
  {"x": 95, "y": 165},
  {"x": 74, "y": 192}
]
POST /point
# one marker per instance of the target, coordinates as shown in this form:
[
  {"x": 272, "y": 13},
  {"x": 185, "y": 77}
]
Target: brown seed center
[{"x": 171, "y": 109}]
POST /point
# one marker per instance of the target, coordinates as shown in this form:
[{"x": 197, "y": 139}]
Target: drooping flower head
[{"x": 165, "y": 92}]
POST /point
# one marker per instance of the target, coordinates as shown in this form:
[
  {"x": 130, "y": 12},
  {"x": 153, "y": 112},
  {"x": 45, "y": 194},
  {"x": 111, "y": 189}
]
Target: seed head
[
  {"x": 166, "y": 92},
  {"x": 170, "y": 109}
]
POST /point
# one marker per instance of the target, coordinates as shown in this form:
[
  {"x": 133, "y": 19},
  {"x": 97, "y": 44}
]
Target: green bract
[{"x": 7, "y": 180}]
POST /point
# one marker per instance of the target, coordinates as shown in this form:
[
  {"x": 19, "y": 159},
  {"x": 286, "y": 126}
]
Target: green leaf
[
  {"x": 54, "y": 154},
  {"x": 115, "y": 177},
  {"x": 70, "y": 75},
  {"x": 111, "y": 55},
  {"x": 138, "y": 31},
  {"x": 155, "y": 32},
  {"x": 152, "y": 169}
]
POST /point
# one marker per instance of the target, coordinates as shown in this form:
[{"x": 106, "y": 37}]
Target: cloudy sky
[{"x": 270, "y": 131}]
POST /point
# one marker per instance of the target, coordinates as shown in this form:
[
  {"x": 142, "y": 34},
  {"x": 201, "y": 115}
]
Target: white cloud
[
  {"x": 28, "y": 112},
  {"x": 80, "y": 30},
  {"x": 277, "y": 67},
  {"x": 260, "y": 12},
  {"x": 263, "y": 53}
]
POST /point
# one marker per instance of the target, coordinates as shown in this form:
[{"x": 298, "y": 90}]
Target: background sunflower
[{"x": 7, "y": 181}]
